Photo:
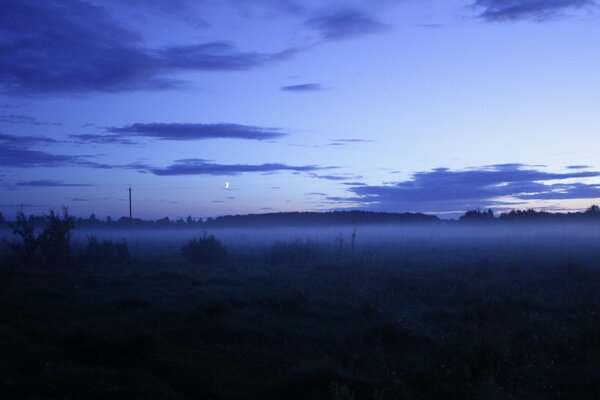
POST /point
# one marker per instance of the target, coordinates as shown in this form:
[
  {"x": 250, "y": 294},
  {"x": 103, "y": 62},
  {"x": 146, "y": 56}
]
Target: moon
[{"x": 226, "y": 185}]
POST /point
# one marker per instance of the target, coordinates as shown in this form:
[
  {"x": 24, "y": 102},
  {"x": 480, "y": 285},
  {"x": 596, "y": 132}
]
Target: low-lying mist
[{"x": 542, "y": 242}]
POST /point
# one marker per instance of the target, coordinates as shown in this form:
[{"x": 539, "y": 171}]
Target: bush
[
  {"x": 55, "y": 239},
  {"x": 296, "y": 253},
  {"x": 206, "y": 250},
  {"x": 25, "y": 229},
  {"x": 53, "y": 244},
  {"x": 107, "y": 251}
]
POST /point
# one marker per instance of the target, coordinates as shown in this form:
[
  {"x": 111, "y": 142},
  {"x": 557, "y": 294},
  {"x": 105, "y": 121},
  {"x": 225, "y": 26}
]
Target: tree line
[{"x": 308, "y": 219}]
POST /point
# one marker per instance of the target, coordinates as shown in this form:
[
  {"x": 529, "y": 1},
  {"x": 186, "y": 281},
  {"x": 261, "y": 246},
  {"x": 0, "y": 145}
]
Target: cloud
[
  {"x": 24, "y": 141},
  {"x": 578, "y": 166},
  {"x": 23, "y": 119},
  {"x": 70, "y": 46},
  {"x": 217, "y": 56},
  {"x": 181, "y": 10},
  {"x": 12, "y": 105},
  {"x": 14, "y": 156},
  {"x": 354, "y": 184},
  {"x": 50, "y": 183},
  {"x": 344, "y": 23},
  {"x": 11, "y": 156},
  {"x": 353, "y": 141},
  {"x": 443, "y": 189},
  {"x": 537, "y": 10},
  {"x": 304, "y": 87},
  {"x": 177, "y": 131},
  {"x": 344, "y": 142},
  {"x": 16, "y": 151},
  {"x": 284, "y": 6},
  {"x": 203, "y": 167},
  {"x": 332, "y": 177},
  {"x": 101, "y": 139}
]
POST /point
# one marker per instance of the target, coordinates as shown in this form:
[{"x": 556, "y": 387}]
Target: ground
[{"x": 441, "y": 323}]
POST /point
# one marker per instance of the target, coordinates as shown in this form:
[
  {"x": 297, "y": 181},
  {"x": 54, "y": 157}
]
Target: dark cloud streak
[
  {"x": 344, "y": 23},
  {"x": 50, "y": 183},
  {"x": 203, "y": 167},
  {"x": 196, "y": 131},
  {"x": 304, "y": 87},
  {"x": 24, "y": 119},
  {"x": 538, "y": 10}
]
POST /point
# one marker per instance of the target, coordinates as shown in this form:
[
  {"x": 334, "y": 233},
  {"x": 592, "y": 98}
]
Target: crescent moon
[{"x": 226, "y": 185}]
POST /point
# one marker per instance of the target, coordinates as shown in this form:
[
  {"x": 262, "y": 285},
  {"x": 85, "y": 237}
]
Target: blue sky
[{"x": 389, "y": 105}]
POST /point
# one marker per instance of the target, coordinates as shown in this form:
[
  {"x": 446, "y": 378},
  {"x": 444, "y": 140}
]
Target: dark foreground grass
[{"x": 351, "y": 330}]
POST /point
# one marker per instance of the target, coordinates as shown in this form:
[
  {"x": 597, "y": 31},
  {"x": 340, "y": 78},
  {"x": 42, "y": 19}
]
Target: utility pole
[{"x": 130, "y": 215}]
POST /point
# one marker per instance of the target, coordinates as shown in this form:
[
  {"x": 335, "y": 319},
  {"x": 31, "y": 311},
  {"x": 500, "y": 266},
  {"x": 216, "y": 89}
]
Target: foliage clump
[
  {"x": 106, "y": 251},
  {"x": 296, "y": 253},
  {"x": 29, "y": 241},
  {"x": 55, "y": 239},
  {"x": 52, "y": 245},
  {"x": 204, "y": 250}
]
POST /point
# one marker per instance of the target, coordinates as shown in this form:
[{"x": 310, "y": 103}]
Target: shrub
[
  {"x": 55, "y": 239},
  {"x": 25, "y": 229},
  {"x": 296, "y": 253},
  {"x": 107, "y": 251},
  {"x": 206, "y": 250},
  {"x": 53, "y": 244}
]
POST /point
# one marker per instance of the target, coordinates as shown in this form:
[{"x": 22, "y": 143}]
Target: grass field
[{"x": 435, "y": 321}]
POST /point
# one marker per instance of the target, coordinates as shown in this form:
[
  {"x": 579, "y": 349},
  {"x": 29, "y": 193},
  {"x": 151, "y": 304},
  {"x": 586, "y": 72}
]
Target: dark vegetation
[
  {"x": 314, "y": 219},
  {"x": 412, "y": 319},
  {"x": 51, "y": 246},
  {"x": 205, "y": 250},
  {"x": 106, "y": 251}
]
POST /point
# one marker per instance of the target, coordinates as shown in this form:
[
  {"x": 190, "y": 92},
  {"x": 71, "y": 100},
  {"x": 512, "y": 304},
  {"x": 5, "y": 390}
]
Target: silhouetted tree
[
  {"x": 23, "y": 227},
  {"x": 593, "y": 210},
  {"x": 478, "y": 216},
  {"x": 163, "y": 221},
  {"x": 55, "y": 239}
]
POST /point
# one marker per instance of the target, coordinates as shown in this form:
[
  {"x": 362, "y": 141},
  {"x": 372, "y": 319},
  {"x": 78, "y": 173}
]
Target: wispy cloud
[
  {"x": 332, "y": 177},
  {"x": 86, "y": 138},
  {"x": 12, "y": 156},
  {"x": 19, "y": 152},
  {"x": 354, "y": 184},
  {"x": 15, "y": 140},
  {"x": 304, "y": 87},
  {"x": 443, "y": 189},
  {"x": 204, "y": 167},
  {"x": 191, "y": 131},
  {"x": 24, "y": 119},
  {"x": 344, "y": 23},
  {"x": 578, "y": 166},
  {"x": 538, "y": 10},
  {"x": 50, "y": 183},
  {"x": 344, "y": 142},
  {"x": 12, "y": 105}
]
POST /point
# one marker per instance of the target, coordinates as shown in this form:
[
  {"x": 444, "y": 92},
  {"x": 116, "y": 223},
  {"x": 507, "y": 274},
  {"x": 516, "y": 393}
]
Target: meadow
[{"x": 407, "y": 312}]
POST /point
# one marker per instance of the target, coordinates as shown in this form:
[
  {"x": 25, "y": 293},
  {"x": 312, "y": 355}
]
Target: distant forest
[{"x": 336, "y": 218}]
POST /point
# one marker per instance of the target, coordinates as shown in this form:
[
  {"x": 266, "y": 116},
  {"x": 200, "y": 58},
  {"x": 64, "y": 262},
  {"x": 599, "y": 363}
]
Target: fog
[{"x": 534, "y": 242}]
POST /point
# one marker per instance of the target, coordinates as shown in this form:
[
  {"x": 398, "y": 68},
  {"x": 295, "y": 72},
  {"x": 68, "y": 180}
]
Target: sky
[{"x": 435, "y": 106}]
